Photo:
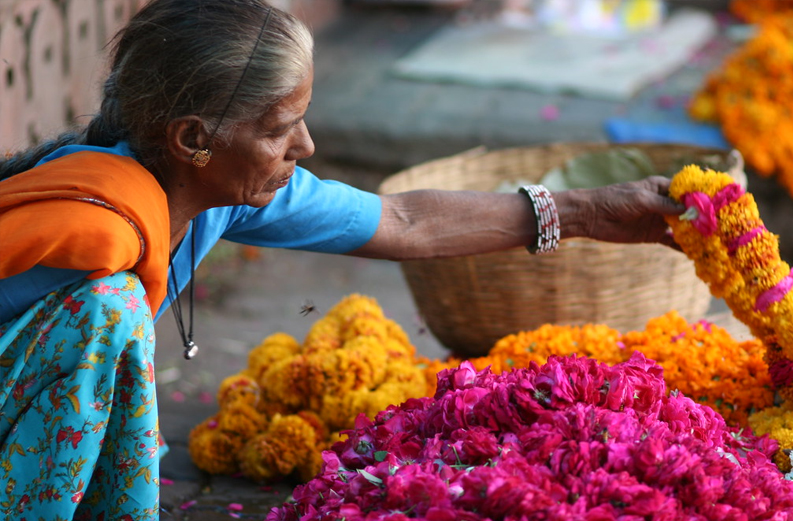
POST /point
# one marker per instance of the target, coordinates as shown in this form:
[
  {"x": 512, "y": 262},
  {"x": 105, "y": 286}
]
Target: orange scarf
[{"x": 88, "y": 211}]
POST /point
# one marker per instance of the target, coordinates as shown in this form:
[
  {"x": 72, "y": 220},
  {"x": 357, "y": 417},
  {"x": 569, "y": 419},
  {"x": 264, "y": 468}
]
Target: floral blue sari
[{"x": 78, "y": 410}]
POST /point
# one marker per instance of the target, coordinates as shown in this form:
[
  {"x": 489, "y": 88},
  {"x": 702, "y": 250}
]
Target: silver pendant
[{"x": 190, "y": 350}]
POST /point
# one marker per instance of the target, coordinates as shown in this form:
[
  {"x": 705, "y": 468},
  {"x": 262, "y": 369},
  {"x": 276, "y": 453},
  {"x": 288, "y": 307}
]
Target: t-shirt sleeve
[{"x": 309, "y": 214}]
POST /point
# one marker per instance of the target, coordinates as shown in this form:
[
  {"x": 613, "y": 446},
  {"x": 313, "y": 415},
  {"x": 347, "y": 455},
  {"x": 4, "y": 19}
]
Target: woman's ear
[{"x": 185, "y": 136}]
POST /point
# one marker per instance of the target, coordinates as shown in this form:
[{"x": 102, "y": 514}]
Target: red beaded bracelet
[{"x": 547, "y": 219}]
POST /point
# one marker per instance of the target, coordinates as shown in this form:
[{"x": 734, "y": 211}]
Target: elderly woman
[{"x": 197, "y": 139}]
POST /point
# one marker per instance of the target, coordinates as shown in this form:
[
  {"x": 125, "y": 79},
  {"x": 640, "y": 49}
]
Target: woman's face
[{"x": 261, "y": 156}]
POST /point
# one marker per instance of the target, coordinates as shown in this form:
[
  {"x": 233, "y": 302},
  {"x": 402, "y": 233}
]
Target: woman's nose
[{"x": 303, "y": 146}]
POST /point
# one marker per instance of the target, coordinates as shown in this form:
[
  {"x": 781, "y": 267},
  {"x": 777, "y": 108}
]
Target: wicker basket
[{"x": 470, "y": 302}]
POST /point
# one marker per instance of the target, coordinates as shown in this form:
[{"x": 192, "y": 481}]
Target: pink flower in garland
[
  {"x": 700, "y": 212},
  {"x": 570, "y": 439}
]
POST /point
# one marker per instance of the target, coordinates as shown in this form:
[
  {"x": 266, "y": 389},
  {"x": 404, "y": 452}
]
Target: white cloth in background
[{"x": 495, "y": 54}]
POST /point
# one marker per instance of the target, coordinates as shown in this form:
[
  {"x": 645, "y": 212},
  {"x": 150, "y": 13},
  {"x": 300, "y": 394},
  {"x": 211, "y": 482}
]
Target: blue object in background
[{"x": 621, "y": 130}]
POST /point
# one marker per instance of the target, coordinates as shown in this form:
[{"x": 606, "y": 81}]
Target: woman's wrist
[{"x": 571, "y": 206}]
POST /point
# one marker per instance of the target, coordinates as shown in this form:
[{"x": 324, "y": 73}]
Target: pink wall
[{"x": 52, "y": 61}]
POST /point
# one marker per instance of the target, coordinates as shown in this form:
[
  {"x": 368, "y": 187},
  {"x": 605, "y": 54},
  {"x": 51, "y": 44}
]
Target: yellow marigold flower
[
  {"x": 355, "y": 304},
  {"x": 407, "y": 371},
  {"x": 396, "y": 349},
  {"x": 782, "y": 460},
  {"x": 273, "y": 348},
  {"x": 397, "y": 334},
  {"x": 324, "y": 335},
  {"x": 777, "y": 422},
  {"x": 310, "y": 466},
  {"x": 393, "y": 393},
  {"x": 299, "y": 430},
  {"x": 317, "y": 424},
  {"x": 285, "y": 382},
  {"x": 339, "y": 411},
  {"x": 323, "y": 374},
  {"x": 386, "y": 331},
  {"x": 239, "y": 386},
  {"x": 359, "y": 365},
  {"x": 364, "y": 325},
  {"x": 692, "y": 179},
  {"x": 241, "y": 418},
  {"x": 366, "y": 358},
  {"x": 287, "y": 443},
  {"x": 212, "y": 449},
  {"x": 270, "y": 408},
  {"x": 782, "y": 322},
  {"x": 265, "y": 459},
  {"x": 749, "y": 262}
]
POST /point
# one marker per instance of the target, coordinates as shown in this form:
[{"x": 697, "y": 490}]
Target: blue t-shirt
[{"x": 307, "y": 214}]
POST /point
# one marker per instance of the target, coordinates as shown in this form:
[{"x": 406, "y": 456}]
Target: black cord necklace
[{"x": 190, "y": 349}]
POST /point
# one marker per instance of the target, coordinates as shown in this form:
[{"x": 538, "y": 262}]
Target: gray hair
[{"x": 177, "y": 58}]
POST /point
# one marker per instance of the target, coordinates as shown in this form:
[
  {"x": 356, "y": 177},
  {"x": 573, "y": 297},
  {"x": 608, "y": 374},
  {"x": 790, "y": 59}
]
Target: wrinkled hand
[{"x": 626, "y": 212}]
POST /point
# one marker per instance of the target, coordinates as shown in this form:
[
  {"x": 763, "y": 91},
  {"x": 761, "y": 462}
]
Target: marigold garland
[
  {"x": 754, "y": 11},
  {"x": 721, "y": 231},
  {"x": 751, "y": 95},
  {"x": 278, "y": 414}
]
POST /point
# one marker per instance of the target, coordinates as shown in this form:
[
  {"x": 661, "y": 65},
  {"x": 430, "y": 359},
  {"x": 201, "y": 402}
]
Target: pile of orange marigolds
[{"x": 751, "y": 95}]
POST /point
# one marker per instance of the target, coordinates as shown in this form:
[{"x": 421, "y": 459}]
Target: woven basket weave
[{"x": 470, "y": 302}]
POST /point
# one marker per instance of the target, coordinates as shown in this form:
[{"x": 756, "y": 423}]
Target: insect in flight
[{"x": 307, "y": 308}]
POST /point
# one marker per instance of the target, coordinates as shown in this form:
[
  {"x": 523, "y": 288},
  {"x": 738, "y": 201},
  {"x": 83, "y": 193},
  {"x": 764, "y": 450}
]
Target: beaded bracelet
[{"x": 547, "y": 219}]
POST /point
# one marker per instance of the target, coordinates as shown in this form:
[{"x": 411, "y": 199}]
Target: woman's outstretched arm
[{"x": 438, "y": 223}]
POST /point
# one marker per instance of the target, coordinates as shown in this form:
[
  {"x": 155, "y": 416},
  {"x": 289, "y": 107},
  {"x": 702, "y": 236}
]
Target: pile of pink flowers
[{"x": 571, "y": 439}]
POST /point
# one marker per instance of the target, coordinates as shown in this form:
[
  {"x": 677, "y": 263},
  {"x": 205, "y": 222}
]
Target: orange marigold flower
[
  {"x": 705, "y": 363},
  {"x": 310, "y": 466},
  {"x": 754, "y": 11},
  {"x": 324, "y": 335},
  {"x": 364, "y": 325},
  {"x": 273, "y": 348},
  {"x": 288, "y": 442},
  {"x": 339, "y": 411},
  {"x": 286, "y": 382},
  {"x": 266, "y": 459},
  {"x": 241, "y": 386},
  {"x": 353, "y": 305},
  {"x": 749, "y": 96},
  {"x": 213, "y": 449},
  {"x": 241, "y": 418}
]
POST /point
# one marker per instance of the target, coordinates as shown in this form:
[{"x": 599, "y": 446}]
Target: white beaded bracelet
[{"x": 544, "y": 207}]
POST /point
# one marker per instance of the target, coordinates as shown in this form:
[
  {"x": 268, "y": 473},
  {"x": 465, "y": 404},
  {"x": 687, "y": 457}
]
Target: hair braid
[{"x": 106, "y": 128}]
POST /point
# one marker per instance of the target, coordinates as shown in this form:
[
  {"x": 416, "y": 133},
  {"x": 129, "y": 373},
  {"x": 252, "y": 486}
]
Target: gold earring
[{"x": 202, "y": 157}]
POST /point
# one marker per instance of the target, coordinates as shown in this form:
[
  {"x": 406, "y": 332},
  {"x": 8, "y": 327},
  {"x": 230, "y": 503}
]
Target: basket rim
[{"x": 482, "y": 152}]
